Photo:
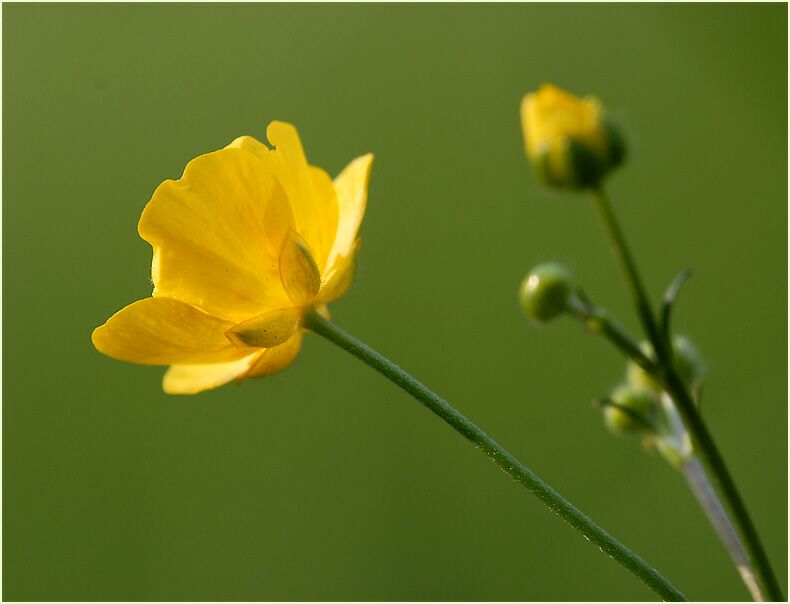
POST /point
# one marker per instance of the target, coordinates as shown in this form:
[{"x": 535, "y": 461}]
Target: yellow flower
[
  {"x": 570, "y": 141},
  {"x": 245, "y": 242}
]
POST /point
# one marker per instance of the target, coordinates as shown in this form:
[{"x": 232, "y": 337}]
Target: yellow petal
[
  {"x": 267, "y": 330},
  {"x": 298, "y": 271},
  {"x": 210, "y": 237},
  {"x": 351, "y": 186},
  {"x": 276, "y": 359},
  {"x": 250, "y": 144},
  {"x": 163, "y": 331},
  {"x": 278, "y": 220},
  {"x": 287, "y": 144},
  {"x": 191, "y": 379},
  {"x": 320, "y": 226},
  {"x": 310, "y": 191},
  {"x": 551, "y": 115},
  {"x": 341, "y": 275}
]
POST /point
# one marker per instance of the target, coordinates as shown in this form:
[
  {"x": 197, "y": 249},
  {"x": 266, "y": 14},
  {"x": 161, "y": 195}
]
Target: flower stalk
[
  {"x": 505, "y": 460},
  {"x": 597, "y": 320},
  {"x": 702, "y": 441}
]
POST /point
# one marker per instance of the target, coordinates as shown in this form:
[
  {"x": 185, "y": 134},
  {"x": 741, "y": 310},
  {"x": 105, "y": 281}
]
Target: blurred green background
[{"x": 325, "y": 481}]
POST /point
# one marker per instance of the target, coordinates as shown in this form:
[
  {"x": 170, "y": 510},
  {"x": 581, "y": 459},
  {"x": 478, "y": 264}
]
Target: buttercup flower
[
  {"x": 570, "y": 141},
  {"x": 245, "y": 242}
]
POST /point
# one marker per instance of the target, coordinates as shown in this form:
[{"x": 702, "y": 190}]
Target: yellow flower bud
[
  {"x": 634, "y": 410},
  {"x": 545, "y": 291},
  {"x": 571, "y": 142}
]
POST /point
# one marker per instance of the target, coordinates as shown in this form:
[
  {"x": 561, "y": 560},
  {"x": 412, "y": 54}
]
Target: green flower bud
[
  {"x": 634, "y": 412},
  {"x": 545, "y": 291},
  {"x": 687, "y": 359},
  {"x": 638, "y": 377},
  {"x": 571, "y": 142}
]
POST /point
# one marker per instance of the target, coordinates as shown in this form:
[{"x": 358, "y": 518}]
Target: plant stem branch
[
  {"x": 506, "y": 461},
  {"x": 597, "y": 320},
  {"x": 702, "y": 441}
]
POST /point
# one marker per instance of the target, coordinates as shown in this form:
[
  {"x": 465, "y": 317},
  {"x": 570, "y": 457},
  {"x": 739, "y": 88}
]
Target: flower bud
[
  {"x": 634, "y": 411},
  {"x": 571, "y": 142},
  {"x": 687, "y": 359},
  {"x": 545, "y": 291}
]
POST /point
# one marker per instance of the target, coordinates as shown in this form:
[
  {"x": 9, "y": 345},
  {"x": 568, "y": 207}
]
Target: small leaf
[{"x": 669, "y": 300}]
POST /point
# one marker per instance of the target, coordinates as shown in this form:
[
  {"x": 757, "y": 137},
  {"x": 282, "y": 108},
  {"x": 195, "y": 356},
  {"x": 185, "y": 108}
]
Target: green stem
[
  {"x": 701, "y": 438},
  {"x": 597, "y": 320},
  {"x": 628, "y": 265},
  {"x": 573, "y": 516}
]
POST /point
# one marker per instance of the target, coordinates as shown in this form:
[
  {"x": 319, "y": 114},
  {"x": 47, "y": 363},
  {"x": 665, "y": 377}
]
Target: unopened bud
[
  {"x": 571, "y": 142},
  {"x": 545, "y": 291},
  {"x": 634, "y": 411},
  {"x": 687, "y": 361}
]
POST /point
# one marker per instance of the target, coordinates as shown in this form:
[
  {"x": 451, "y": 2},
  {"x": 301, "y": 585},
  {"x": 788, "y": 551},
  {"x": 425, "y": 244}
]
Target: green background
[{"x": 325, "y": 481}]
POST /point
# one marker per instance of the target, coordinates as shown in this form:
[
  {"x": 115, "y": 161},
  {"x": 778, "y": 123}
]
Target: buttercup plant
[
  {"x": 249, "y": 246},
  {"x": 253, "y": 242},
  {"x": 573, "y": 144}
]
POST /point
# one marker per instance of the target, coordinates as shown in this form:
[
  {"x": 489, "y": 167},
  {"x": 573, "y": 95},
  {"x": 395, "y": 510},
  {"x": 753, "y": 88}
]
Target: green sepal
[
  {"x": 615, "y": 143},
  {"x": 586, "y": 168}
]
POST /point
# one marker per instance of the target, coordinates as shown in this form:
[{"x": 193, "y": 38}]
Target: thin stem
[
  {"x": 507, "y": 462},
  {"x": 701, "y": 438},
  {"x": 597, "y": 320},
  {"x": 703, "y": 490},
  {"x": 628, "y": 266}
]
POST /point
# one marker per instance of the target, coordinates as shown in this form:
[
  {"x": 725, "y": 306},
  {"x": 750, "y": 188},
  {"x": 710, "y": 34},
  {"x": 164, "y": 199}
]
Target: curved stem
[
  {"x": 573, "y": 516},
  {"x": 701, "y": 438}
]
